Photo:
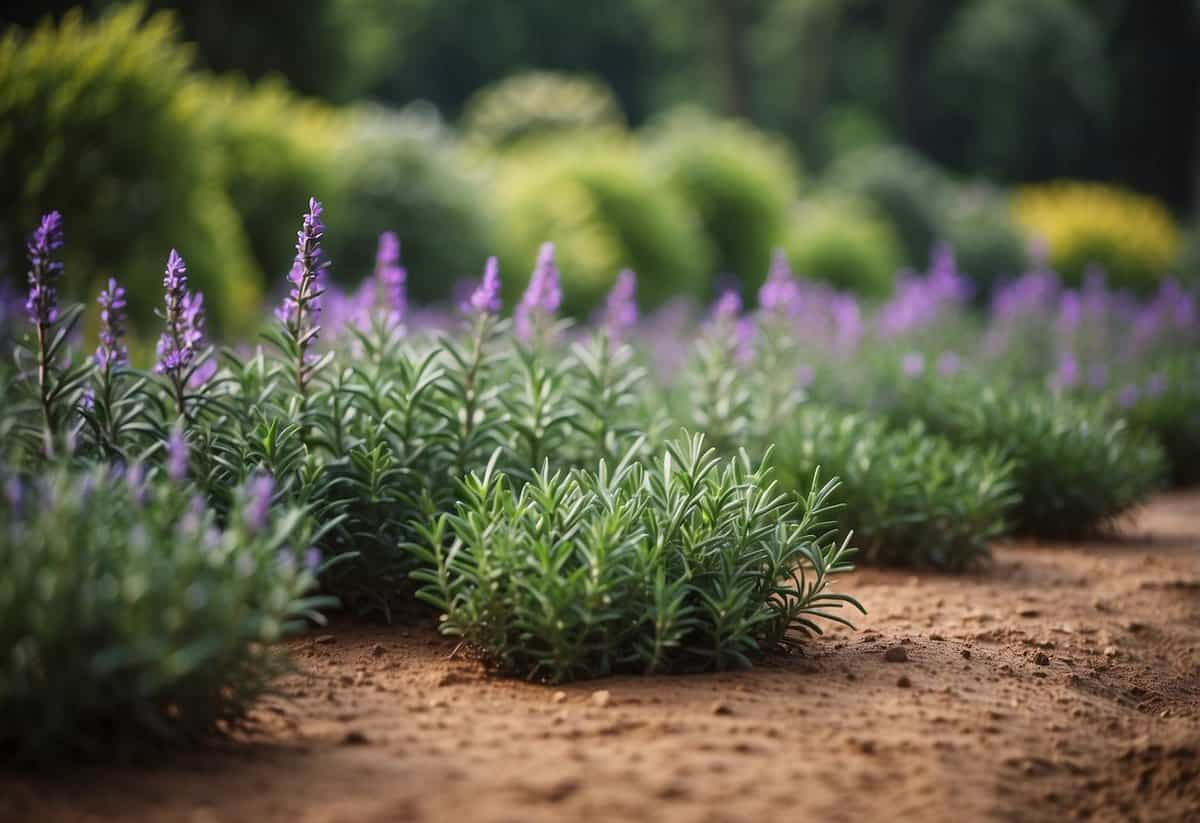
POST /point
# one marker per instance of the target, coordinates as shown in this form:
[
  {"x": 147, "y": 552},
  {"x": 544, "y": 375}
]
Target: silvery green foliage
[
  {"x": 130, "y": 610},
  {"x": 911, "y": 498},
  {"x": 682, "y": 562},
  {"x": 1075, "y": 468}
]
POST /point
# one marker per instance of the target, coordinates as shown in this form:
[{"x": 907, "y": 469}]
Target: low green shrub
[
  {"x": 987, "y": 244},
  {"x": 843, "y": 244},
  {"x": 538, "y": 104},
  {"x": 684, "y": 563},
  {"x": 129, "y": 611},
  {"x": 909, "y": 498},
  {"x": 1166, "y": 403},
  {"x": 1074, "y": 468},
  {"x": 599, "y": 202},
  {"x": 904, "y": 188},
  {"x": 741, "y": 182},
  {"x": 403, "y": 174}
]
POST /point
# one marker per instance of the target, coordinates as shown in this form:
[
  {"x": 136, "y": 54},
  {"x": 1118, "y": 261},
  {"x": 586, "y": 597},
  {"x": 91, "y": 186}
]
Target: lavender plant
[
  {"x": 910, "y": 498},
  {"x": 130, "y": 611},
  {"x": 44, "y": 364},
  {"x": 684, "y": 563}
]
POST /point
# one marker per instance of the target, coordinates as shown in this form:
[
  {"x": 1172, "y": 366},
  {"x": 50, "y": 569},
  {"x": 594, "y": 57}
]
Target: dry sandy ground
[{"x": 1063, "y": 683}]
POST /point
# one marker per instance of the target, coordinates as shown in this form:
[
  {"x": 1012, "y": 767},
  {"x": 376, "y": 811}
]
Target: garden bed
[{"x": 1061, "y": 683}]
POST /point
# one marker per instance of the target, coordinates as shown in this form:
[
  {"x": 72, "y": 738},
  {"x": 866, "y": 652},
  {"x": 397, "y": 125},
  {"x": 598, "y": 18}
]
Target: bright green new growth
[
  {"x": 686, "y": 563},
  {"x": 127, "y": 611}
]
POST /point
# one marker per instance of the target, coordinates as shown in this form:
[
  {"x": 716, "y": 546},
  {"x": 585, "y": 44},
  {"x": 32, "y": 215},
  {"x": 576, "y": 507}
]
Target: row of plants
[
  {"x": 524, "y": 475},
  {"x": 112, "y": 122}
]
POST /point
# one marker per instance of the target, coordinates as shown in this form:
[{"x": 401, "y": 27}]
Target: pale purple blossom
[
  {"x": 780, "y": 293},
  {"x": 177, "y": 456},
  {"x": 391, "y": 275},
  {"x": 949, "y": 364},
  {"x": 726, "y": 309},
  {"x": 112, "y": 352},
  {"x": 312, "y": 559},
  {"x": 542, "y": 296},
  {"x": 485, "y": 299},
  {"x": 620, "y": 308},
  {"x": 1066, "y": 376},
  {"x": 258, "y": 502},
  {"x": 913, "y": 364}
]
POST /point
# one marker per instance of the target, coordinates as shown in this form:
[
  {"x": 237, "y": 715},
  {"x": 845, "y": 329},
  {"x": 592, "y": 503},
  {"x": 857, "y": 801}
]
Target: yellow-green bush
[
  {"x": 598, "y": 200},
  {"x": 740, "y": 181},
  {"x": 843, "y": 243},
  {"x": 96, "y": 121},
  {"x": 538, "y": 104},
  {"x": 277, "y": 149},
  {"x": 1132, "y": 236}
]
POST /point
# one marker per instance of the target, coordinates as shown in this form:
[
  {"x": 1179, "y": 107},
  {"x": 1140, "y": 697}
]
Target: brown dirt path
[{"x": 1061, "y": 684}]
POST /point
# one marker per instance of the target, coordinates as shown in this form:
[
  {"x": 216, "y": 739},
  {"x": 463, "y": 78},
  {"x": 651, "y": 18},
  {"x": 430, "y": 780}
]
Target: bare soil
[{"x": 1062, "y": 683}]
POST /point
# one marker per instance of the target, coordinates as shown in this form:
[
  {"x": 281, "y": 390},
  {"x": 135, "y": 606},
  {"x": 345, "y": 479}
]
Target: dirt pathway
[{"x": 1061, "y": 684}]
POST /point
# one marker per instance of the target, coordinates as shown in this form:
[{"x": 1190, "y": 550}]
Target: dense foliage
[
  {"x": 687, "y": 562},
  {"x": 130, "y": 609}
]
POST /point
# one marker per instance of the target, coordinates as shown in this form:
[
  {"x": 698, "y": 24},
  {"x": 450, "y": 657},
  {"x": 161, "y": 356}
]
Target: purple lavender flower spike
[
  {"x": 258, "y": 503},
  {"x": 780, "y": 293},
  {"x": 177, "y": 456},
  {"x": 949, "y": 364},
  {"x": 1127, "y": 396},
  {"x": 42, "y": 303},
  {"x": 620, "y": 309},
  {"x": 913, "y": 364},
  {"x": 542, "y": 296},
  {"x": 312, "y": 559},
  {"x": 302, "y": 306},
  {"x": 1067, "y": 374},
  {"x": 184, "y": 321},
  {"x": 726, "y": 309},
  {"x": 112, "y": 352},
  {"x": 391, "y": 275},
  {"x": 485, "y": 299},
  {"x": 847, "y": 320},
  {"x": 1098, "y": 376}
]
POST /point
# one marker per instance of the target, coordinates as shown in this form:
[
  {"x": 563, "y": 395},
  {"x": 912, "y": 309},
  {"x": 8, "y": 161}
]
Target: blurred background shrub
[
  {"x": 1134, "y": 238},
  {"x": 902, "y": 187},
  {"x": 741, "y": 182},
  {"x": 537, "y": 104},
  {"x": 843, "y": 243},
  {"x": 988, "y": 245},
  {"x": 213, "y": 146},
  {"x": 277, "y": 149},
  {"x": 597, "y": 199},
  {"x": 99, "y": 121},
  {"x": 400, "y": 172}
]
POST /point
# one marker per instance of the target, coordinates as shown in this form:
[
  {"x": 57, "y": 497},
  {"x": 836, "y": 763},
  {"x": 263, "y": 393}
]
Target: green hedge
[{"x": 98, "y": 121}]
